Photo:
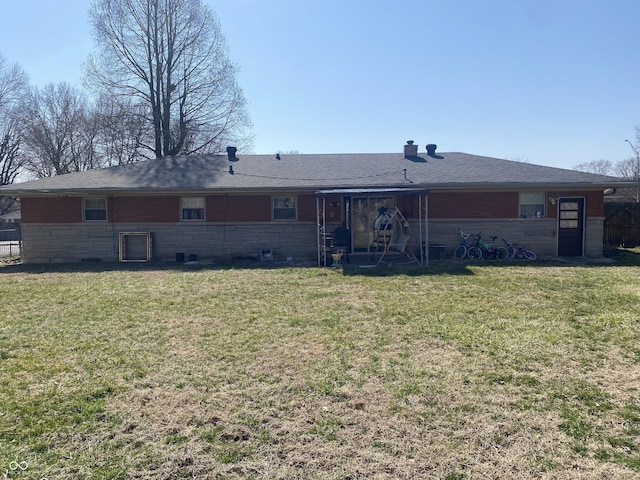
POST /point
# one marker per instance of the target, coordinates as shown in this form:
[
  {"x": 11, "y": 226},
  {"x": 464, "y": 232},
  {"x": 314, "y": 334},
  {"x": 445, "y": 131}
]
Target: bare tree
[
  {"x": 13, "y": 82},
  {"x": 170, "y": 58},
  {"x": 600, "y": 167},
  {"x": 58, "y": 131},
  {"x": 629, "y": 170},
  {"x": 121, "y": 131},
  {"x": 13, "y": 85},
  {"x": 11, "y": 163}
]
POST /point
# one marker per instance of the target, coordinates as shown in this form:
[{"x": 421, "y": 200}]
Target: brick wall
[
  {"x": 473, "y": 204},
  {"x": 241, "y": 225},
  {"x": 46, "y": 243},
  {"x": 307, "y": 208},
  {"x": 154, "y": 209},
  {"x": 143, "y": 209},
  {"x": 51, "y": 209},
  {"x": 234, "y": 208}
]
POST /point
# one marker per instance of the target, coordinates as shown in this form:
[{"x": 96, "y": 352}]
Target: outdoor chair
[{"x": 342, "y": 241}]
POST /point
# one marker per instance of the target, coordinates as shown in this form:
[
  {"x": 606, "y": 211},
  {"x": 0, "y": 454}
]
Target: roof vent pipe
[
  {"x": 410, "y": 150},
  {"x": 431, "y": 149},
  {"x": 231, "y": 153}
]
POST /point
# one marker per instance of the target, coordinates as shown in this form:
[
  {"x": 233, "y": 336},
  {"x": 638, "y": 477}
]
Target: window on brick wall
[
  {"x": 284, "y": 208},
  {"x": 192, "y": 208},
  {"x": 532, "y": 205},
  {"x": 94, "y": 209}
]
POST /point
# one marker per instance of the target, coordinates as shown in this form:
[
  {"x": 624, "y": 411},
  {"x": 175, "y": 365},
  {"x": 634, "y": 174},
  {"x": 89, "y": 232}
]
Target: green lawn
[{"x": 447, "y": 372}]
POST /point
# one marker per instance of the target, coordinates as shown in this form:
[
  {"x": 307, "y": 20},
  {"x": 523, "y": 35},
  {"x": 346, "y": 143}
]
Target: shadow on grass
[
  {"x": 624, "y": 256},
  {"x": 444, "y": 268},
  {"x": 154, "y": 266}
]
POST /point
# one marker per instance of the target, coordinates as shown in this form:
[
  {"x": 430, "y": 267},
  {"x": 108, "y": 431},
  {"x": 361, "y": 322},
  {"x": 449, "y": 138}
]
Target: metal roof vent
[
  {"x": 410, "y": 150},
  {"x": 231, "y": 153},
  {"x": 431, "y": 149}
]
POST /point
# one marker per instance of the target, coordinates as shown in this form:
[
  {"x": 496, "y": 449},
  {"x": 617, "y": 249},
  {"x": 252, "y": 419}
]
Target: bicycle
[
  {"x": 516, "y": 251},
  {"x": 489, "y": 250},
  {"x": 466, "y": 249}
]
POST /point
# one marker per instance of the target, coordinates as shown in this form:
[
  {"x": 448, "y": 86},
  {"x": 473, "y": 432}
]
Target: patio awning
[{"x": 366, "y": 191}]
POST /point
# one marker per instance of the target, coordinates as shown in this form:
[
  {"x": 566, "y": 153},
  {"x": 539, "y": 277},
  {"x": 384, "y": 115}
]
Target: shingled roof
[{"x": 205, "y": 173}]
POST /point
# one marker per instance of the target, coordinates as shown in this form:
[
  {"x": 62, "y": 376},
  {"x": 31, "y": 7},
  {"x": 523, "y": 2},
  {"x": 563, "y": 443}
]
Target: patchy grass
[{"x": 450, "y": 372}]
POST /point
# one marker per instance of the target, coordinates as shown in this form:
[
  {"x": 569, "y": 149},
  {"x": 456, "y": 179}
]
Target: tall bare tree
[
  {"x": 58, "y": 131},
  {"x": 121, "y": 131},
  {"x": 170, "y": 58},
  {"x": 13, "y": 85},
  {"x": 11, "y": 163}
]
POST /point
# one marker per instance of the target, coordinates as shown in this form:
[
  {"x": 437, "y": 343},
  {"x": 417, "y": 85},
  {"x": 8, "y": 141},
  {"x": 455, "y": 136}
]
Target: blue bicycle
[{"x": 466, "y": 249}]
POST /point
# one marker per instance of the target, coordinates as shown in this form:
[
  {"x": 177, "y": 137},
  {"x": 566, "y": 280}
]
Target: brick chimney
[{"x": 410, "y": 150}]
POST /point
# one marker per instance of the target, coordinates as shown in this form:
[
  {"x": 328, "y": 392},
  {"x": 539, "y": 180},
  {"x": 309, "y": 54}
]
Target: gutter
[{"x": 23, "y": 192}]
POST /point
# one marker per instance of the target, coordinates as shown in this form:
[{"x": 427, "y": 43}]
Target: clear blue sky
[{"x": 552, "y": 82}]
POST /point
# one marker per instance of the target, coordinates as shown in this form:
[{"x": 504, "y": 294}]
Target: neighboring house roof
[
  {"x": 313, "y": 172},
  {"x": 11, "y": 216}
]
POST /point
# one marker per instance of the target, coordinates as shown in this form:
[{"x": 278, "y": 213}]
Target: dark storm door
[{"x": 571, "y": 227}]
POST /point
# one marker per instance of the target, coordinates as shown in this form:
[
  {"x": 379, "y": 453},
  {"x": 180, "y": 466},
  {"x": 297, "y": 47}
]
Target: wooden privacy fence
[{"x": 622, "y": 224}]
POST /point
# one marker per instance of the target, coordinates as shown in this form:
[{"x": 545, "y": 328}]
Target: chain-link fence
[
  {"x": 10, "y": 243},
  {"x": 10, "y": 249}
]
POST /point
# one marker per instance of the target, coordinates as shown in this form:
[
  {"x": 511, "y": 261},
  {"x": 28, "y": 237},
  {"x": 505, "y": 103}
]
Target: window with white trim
[
  {"x": 532, "y": 205},
  {"x": 192, "y": 208},
  {"x": 94, "y": 209},
  {"x": 284, "y": 208}
]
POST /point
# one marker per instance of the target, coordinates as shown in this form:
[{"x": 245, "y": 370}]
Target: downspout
[
  {"x": 323, "y": 255},
  {"x": 421, "y": 240},
  {"x": 224, "y": 224},
  {"x": 426, "y": 225},
  {"x": 318, "y": 227},
  {"x": 112, "y": 212}
]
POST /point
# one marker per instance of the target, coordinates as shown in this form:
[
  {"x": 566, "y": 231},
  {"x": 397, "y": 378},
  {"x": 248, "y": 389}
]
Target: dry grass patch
[{"x": 511, "y": 372}]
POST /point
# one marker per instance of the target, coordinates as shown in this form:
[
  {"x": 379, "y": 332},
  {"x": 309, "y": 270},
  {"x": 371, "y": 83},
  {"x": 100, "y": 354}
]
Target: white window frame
[
  {"x": 534, "y": 204},
  {"x": 281, "y": 209},
  {"x": 88, "y": 208},
  {"x": 192, "y": 204}
]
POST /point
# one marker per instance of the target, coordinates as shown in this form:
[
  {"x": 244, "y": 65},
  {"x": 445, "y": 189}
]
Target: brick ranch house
[{"x": 213, "y": 206}]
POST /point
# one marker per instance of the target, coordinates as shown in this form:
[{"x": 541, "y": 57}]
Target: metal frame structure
[{"x": 321, "y": 207}]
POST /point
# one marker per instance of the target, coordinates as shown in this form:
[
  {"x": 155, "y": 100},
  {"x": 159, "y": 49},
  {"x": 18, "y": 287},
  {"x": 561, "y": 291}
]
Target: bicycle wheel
[
  {"x": 460, "y": 252},
  {"x": 512, "y": 253},
  {"x": 475, "y": 253},
  {"x": 529, "y": 255},
  {"x": 502, "y": 253}
]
